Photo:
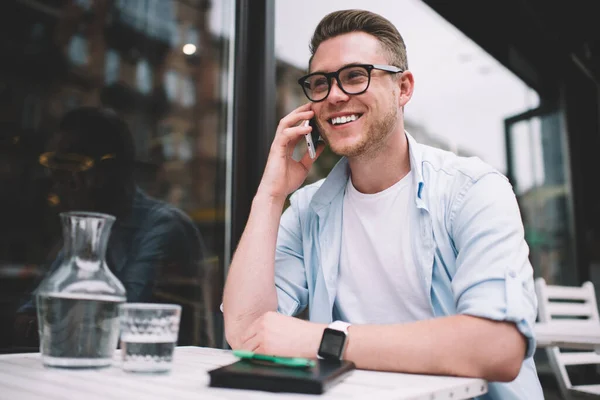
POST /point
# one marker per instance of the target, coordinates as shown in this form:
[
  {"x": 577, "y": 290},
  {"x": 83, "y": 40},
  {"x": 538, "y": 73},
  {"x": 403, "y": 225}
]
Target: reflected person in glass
[
  {"x": 91, "y": 164},
  {"x": 416, "y": 255}
]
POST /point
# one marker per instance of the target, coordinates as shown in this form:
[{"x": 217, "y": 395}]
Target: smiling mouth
[{"x": 344, "y": 120}]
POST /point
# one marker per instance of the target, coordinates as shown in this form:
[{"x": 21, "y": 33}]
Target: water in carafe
[
  {"x": 77, "y": 331},
  {"x": 78, "y": 304}
]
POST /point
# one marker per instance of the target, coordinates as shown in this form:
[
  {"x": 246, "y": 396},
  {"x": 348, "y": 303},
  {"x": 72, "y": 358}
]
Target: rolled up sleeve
[
  {"x": 290, "y": 276},
  {"x": 494, "y": 278}
]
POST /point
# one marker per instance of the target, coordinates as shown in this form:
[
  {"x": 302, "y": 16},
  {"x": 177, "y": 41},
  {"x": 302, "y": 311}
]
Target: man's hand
[
  {"x": 283, "y": 174},
  {"x": 280, "y": 335}
]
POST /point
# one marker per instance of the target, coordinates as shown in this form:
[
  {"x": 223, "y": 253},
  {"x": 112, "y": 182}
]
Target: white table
[
  {"x": 22, "y": 376},
  {"x": 581, "y": 335}
]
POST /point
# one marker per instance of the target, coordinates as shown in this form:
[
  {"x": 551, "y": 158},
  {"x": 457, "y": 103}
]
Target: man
[
  {"x": 91, "y": 164},
  {"x": 419, "y": 253}
]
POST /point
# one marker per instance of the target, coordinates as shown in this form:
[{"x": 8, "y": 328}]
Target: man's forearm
[
  {"x": 459, "y": 345},
  {"x": 250, "y": 287}
]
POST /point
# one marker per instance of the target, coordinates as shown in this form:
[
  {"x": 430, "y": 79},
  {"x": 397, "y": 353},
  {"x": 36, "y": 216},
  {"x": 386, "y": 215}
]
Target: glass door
[{"x": 538, "y": 168}]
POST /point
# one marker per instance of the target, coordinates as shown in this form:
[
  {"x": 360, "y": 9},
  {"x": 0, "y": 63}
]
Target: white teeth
[{"x": 344, "y": 119}]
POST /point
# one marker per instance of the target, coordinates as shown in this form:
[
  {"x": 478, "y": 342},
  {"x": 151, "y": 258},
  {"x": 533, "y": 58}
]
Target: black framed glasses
[{"x": 352, "y": 79}]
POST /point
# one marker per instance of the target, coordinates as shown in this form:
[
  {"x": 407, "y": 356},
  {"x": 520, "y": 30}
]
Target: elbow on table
[
  {"x": 233, "y": 332},
  {"x": 503, "y": 360},
  {"x": 233, "y": 339},
  {"x": 503, "y": 366},
  {"x": 506, "y": 371}
]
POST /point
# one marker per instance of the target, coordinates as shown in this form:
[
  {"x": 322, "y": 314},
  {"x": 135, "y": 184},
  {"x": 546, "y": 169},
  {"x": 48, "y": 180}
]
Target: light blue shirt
[{"x": 469, "y": 247}]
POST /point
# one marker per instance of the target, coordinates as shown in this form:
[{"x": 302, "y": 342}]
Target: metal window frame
[{"x": 254, "y": 102}]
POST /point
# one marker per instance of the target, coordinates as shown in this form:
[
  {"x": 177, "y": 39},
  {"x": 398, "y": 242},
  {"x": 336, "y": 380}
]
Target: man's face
[
  {"x": 72, "y": 182},
  {"x": 378, "y": 109}
]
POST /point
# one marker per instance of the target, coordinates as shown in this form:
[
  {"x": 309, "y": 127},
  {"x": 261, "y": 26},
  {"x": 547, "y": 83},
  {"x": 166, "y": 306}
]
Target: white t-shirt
[{"x": 378, "y": 281}]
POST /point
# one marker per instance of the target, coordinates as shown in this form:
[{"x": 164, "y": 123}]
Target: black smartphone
[{"x": 313, "y": 138}]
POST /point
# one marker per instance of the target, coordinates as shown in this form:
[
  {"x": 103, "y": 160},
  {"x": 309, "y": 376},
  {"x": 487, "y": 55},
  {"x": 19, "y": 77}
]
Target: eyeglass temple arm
[{"x": 388, "y": 68}]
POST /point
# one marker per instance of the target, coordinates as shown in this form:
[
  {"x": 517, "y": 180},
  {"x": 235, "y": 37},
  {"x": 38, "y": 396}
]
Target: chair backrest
[{"x": 567, "y": 303}]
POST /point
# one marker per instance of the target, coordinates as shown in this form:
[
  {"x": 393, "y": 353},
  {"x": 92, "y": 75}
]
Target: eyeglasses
[
  {"x": 352, "y": 79},
  {"x": 72, "y": 162}
]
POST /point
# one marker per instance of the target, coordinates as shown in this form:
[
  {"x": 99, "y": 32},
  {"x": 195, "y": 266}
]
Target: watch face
[{"x": 332, "y": 343}]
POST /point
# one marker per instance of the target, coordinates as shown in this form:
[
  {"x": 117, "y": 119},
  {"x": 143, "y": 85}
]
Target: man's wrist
[
  {"x": 315, "y": 340},
  {"x": 264, "y": 199},
  {"x": 334, "y": 341}
]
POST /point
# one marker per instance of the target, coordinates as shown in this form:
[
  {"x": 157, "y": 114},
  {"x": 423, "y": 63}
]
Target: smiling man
[{"x": 409, "y": 258}]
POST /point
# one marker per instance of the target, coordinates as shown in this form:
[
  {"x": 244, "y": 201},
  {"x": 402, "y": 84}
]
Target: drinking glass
[{"x": 149, "y": 336}]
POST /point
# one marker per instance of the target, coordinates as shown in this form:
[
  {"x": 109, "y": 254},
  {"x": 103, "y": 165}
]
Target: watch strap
[{"x": 340, "y": 326}]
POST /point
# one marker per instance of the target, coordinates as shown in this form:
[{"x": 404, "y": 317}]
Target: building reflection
[{"x": 126, "y": 56}]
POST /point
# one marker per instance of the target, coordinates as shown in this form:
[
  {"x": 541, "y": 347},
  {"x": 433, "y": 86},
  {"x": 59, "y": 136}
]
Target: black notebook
[{"x": 245, "y": 374}]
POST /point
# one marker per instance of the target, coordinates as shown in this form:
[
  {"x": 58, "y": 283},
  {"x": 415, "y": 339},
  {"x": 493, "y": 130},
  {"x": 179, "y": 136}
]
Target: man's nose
[{"x": 336, "y": 94}]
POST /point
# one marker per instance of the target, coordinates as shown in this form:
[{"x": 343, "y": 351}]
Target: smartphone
[{"x": 312, "y": 138}]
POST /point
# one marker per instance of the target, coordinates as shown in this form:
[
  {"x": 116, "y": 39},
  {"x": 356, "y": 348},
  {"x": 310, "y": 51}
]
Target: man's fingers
[
  {"x": 289, "y": 135},
  {"x": 294, "y": 118},
  {"x": 307, "y": 161}
]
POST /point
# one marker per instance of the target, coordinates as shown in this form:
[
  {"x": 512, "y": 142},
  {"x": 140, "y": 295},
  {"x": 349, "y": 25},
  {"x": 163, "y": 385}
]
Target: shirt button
[{"x": 512, "y": 274}]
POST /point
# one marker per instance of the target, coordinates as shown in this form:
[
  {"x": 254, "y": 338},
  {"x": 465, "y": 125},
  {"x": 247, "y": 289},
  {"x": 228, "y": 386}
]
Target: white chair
[{"x": 569, "y": 303}]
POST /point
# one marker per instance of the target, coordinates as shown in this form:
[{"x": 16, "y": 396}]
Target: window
[
  {"x": 31, "y": 112},
  {"x": 85, "y": 4},
  {"x": 155, "y": 17},
  {"x": 188, "y": 97},
  {"x": 111, "y": 66},
  {"x": 185, "y": 195},
  {"x": 161, "y": 18},
  {"x": 71, "y": 101},
  {"x": 144, "y": 77},
  {"x": 175, "y": 39},
  {"x": 192, "y": 36},
  {"x": 78, "y": 50},
  {"x": 171, "y": 83}
]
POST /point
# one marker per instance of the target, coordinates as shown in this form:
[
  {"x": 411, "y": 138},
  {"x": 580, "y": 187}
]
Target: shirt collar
[{"x": 337, "y": 179}]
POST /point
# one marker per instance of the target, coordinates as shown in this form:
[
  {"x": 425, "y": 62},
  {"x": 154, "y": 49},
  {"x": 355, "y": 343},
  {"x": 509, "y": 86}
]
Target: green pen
[{"x": 292, "y": 362}]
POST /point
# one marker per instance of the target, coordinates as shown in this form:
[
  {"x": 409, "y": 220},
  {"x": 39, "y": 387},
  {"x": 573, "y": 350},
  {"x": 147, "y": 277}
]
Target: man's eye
[{"x": 319, "y": 85}]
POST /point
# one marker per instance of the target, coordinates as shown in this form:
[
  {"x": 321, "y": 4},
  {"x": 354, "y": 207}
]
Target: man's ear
[{"x": 406, "y": 84}]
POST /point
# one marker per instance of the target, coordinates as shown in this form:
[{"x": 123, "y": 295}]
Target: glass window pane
[
  {"x": 192, "y": 36},
  {"x": 171, "y": 85},
  {"x": 111, "y": 66},
  {"x": 157, "y": 159},
  {"x": 144, "y": 77},
  {"x": 78, "y": 50},
  {"x": 542, "y": 187},
  {"x": 189, "y": 93}
]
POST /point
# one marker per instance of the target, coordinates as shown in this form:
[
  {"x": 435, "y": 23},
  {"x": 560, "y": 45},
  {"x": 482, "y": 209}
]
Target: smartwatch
[{"x": 334, "y": 340}]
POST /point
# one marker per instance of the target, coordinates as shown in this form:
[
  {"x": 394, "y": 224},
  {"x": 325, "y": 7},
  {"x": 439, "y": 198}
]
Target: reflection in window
[
  {"x": 175, "y": 39},
  {"x": 111, "y": 66},
  {"x": 188, "y": 97},
  {"x": 177, "y": 146},
  {"x": 143, "y": 77},
  {"x": 180, "y": 252},
  {"x": 192, "y": 36},
  {"x": 78, "y": 50},
  {"x": 155, "y": 17},
  {"x": 85, "y": 4},
  {"x": 171, "y": 80},
  {"x": 71, "y": 101},
  {"x": 37, "y": 32},
  {"x": 160, "y": 18},
  {"x": 31, "y": 112}
]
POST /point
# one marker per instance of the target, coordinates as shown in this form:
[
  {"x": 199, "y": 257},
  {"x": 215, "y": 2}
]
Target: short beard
[{"x": 375, "y": 137}]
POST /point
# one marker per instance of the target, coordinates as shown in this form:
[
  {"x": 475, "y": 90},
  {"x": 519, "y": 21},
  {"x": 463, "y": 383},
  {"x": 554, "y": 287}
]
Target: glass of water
[{"x": 148, "y": 336}]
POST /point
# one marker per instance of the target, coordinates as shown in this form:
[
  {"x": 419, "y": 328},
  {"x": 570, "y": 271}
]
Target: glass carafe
[{"x": 78, "y": 303}]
